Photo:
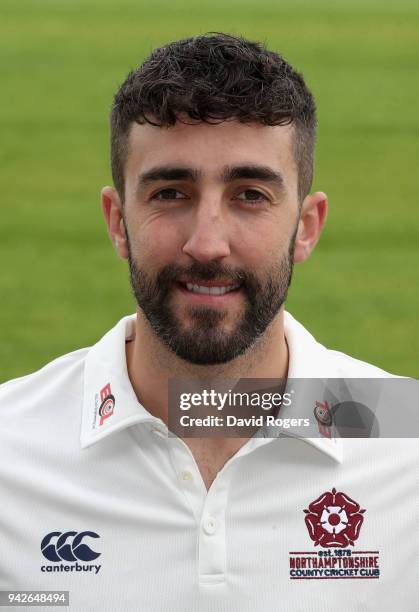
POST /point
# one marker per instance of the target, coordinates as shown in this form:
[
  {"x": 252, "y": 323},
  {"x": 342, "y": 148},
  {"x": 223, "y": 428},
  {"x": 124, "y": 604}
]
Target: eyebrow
[
  {"x": 168, "y": 173},
  {"x": 229, "y": 174},
  {"x": 260, "y": 173}
]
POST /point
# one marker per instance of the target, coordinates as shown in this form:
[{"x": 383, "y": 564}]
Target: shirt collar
[
  {"x": 308, "y": 359},
  {"x": 110, "y": 403}
]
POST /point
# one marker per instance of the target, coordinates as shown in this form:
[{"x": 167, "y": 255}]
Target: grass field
[{"x": 61, "y": 284}]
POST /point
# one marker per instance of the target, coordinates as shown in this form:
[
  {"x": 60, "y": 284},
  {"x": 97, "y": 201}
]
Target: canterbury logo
[{"x": 68, "y": 546}]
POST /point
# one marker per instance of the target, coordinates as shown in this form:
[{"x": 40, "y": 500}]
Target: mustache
[
  {"x": 202, "y": 271},
  {"x": 159, "y": 288}
]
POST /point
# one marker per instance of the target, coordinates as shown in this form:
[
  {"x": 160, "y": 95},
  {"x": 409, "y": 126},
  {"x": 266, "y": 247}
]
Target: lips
[
  {"x": 209, "y": 291},
  {"x": 226, "y": 282}
]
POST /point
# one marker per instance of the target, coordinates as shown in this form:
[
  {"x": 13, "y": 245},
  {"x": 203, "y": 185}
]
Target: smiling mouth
[{"x": 210, "y": 288}]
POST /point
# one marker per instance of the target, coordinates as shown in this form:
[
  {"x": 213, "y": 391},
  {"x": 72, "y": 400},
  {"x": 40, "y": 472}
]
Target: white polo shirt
[{"x": 97, "y": 500}]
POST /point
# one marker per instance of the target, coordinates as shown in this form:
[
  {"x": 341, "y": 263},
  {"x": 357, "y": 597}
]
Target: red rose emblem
[{"x": 334, "y": 519}]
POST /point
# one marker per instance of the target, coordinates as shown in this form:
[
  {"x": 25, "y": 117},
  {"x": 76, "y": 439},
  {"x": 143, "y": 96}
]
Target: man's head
[{"x": 212, "y": 155}]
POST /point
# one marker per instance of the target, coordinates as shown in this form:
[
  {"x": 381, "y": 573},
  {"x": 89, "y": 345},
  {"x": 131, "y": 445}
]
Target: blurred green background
[{"x": 61, "y": 284}]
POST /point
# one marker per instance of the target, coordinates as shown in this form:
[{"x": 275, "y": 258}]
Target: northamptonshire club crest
[
  {"x": 334, "y": 522},
  {"x": 107, "y": 405}
]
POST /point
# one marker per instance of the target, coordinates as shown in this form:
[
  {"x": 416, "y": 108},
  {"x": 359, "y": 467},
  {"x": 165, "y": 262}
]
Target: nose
[{"x": 208, "y": 235}]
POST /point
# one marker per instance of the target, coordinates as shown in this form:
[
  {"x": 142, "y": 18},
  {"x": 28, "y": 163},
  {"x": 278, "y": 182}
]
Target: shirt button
[
  {"x": 186, "y": 476},
  {"x": 210, "y": 525}
]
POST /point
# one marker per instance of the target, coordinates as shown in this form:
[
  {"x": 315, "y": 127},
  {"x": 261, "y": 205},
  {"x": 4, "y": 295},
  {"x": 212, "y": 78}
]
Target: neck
[{"x": 151, "y": 365}]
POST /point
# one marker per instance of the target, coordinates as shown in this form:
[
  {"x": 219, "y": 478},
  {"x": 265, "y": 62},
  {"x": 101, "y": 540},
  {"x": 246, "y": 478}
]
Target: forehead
[{"x": 210, "y": 147}]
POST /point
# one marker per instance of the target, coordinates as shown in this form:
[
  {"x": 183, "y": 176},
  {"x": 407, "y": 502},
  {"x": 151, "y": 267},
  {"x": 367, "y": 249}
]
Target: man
[{"x": 212, "y": 142}]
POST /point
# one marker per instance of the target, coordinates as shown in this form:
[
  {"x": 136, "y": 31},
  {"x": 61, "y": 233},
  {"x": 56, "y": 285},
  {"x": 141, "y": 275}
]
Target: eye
[
  {"x": 168, "y": 194},
  {"x": 252, "y": 195}
]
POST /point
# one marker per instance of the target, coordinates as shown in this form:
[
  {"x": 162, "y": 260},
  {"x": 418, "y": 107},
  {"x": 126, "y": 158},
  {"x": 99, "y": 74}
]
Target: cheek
[
  {"x": 263, "y": 242},
  {"x": 156, "y": 241}
]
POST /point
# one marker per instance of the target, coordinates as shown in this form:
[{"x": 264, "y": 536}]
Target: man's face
[{"x": 211, "y": 213}]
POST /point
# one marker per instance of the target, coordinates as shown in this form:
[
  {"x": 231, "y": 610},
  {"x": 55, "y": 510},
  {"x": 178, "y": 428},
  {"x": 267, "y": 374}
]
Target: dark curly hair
[{"x": 214, "y": 78}]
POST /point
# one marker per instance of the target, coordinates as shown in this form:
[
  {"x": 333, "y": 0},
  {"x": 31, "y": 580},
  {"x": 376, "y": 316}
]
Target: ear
[
  {"x": 112, "y": 210},
  {"x": 312, "y": 219}
]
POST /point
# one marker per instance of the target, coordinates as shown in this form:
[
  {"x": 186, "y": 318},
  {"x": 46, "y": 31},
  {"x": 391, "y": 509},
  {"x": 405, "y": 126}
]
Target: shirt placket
[{"x": 209, "y": 507}]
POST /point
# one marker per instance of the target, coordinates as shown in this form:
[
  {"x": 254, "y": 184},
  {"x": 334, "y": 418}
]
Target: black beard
[{"x": 205, "y": 343}]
